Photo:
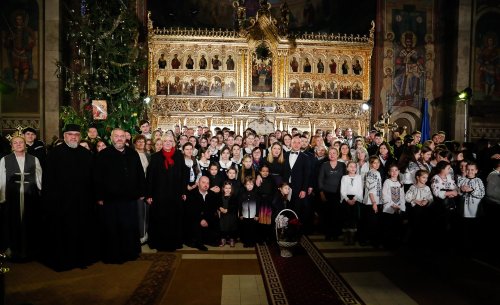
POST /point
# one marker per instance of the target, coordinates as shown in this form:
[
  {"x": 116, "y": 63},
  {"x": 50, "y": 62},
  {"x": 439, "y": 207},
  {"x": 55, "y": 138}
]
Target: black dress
[{"x": 166, "y": 187}]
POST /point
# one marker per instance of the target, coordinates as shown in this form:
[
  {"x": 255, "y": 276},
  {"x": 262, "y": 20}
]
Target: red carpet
[{"x": 305, "y": 278}]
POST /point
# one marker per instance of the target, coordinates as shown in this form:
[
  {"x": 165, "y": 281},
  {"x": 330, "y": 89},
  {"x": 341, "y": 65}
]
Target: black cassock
[
  {"x": 166, "y": 187},
  {"x": 119, "y": 182},
  {"x": 70, "y": 209}
]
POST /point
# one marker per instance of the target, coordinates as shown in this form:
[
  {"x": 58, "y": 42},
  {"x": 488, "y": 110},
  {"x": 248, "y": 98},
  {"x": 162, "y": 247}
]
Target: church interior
[{"x": 383, "y": 65}]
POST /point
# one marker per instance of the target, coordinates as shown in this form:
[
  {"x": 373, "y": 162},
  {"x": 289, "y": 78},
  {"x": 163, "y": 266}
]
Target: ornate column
[
  {"x": 242, "y": 88},
  {"x": 49, "y": 83}
]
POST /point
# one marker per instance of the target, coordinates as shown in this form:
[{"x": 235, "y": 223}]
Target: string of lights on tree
[{"x": 107, "y": 61}]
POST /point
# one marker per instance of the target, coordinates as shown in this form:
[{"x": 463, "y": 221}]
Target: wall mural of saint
[
  {"x": 19, "y": 67},
  {"x": 487, "y": 58},
  {"x": 409, "y": 28}
]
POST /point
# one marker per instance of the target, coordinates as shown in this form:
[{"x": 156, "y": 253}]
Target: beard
[{"x": 72, "y": 144}]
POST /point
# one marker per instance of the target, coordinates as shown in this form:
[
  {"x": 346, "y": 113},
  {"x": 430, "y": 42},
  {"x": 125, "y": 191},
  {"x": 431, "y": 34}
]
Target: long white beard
[{"x": 72, "y": 145}]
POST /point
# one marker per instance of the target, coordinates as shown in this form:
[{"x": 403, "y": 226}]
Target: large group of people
[{"x": 83, "y": 199}]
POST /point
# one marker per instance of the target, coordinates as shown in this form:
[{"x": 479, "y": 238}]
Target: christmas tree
[{"x": 106, "y": 63}]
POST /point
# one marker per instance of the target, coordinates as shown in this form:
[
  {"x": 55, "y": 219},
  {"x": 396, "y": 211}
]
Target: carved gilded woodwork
[{"x": 253, "y": 89}]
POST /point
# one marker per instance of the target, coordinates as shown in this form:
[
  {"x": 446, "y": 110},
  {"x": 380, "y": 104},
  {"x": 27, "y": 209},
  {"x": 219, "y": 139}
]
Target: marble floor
[{"x": 376, "y": 275}]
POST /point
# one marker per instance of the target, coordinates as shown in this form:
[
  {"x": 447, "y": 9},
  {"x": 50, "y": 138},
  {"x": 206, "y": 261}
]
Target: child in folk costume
[
  {"x": 443, "y": 210},
  {"x": 248, "y": 202},
  {"x": 266, "y": 192},
  {"x": 228, "y": 214},
  {"x": 419, "y": 196},
  {"x": 473, "y": 191},
  {"x": 393, "y": 198},
  {"x": 372, "y": 205},
  {"x": 351, "y": 193}
]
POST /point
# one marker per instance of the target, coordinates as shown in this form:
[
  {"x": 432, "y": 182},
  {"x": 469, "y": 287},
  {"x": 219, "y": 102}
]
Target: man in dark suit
[
  {"x": 297, "y": 173},
  {"x": 202, "y": 209}
]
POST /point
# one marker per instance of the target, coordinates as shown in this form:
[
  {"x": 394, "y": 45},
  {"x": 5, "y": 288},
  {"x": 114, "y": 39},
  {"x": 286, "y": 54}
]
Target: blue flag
[{"x": 426, "y": 124}]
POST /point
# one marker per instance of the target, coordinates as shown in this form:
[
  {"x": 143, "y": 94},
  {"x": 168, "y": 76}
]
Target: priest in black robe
[
  {"x": 166, "y": 187},
  {"x": 69, "y": 205},
  {"x": 119, "y": 183}
]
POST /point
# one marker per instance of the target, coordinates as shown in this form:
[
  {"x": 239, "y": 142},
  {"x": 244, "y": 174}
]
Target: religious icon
[
  {"x": 307, "y": 66},
  {"x": 333, "y": 66},
  {"x": 294, "y": 64},
  {"x": 99, "y": 109},
  {"x": 229, "y": 87},
  {"x": 489, "y": 61},
  {"x": 175, "y": 62},
  {"x": 294, "y": 89},
  {"x": 357, "y": 91},
  {"x": 188, "y": 86},
  {"x": 345, "y": 67},
  {"x": 409, "y": 68},
  {"x": 320, "y": 66},
  {"x": 356, "y": 68},
  {"x": 345, "y": 91},
  {"x": 215, "y": 86},
  {"x": 203, "y": 62},
  {"x": 319, "y": 90},
  {"x": 262, "y": 75},
  {"x": 174, "y": 86},
  {"x": 161, "y": 86},
  {"x": 306, "y": 90},
  {"x": 162, "y": 62},
  {"x": 202, "y": 87},
  {"x": 332, "y": 92},
  {"x": 189, "y": 62},
  {"x": 216, "y": 62},
  {"x": 229, "y": 63}
]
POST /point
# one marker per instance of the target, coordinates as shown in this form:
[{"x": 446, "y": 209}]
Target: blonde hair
[
  {"x": 270, "y": 157},
  {"x": 242, "y": 172}
]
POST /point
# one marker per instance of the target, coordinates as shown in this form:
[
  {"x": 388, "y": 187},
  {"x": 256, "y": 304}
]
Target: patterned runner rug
[{"x": 305, "y": 278}]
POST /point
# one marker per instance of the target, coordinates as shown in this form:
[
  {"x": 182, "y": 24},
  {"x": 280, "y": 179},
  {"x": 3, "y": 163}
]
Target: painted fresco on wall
[
  {"x": 19, "y": 62},
  {"x": 409, "y": 30},
  {"x": 487, "y": 58}
]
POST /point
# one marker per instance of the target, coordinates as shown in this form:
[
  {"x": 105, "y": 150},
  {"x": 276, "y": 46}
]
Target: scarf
[{"x": 168, "y": 157}]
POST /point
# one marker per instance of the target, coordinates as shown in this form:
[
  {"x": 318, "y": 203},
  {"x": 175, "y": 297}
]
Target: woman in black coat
[{"x": 166, "y": 189}]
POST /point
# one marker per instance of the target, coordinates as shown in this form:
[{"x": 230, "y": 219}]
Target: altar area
[{"x": 259, "y": 75}]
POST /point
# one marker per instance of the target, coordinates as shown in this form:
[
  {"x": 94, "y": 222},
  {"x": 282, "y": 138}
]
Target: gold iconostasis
[{"x": 260, "y": 75}]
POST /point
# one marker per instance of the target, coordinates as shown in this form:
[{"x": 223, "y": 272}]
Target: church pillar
[
  {"x": 464, "y": 47},
  {"x": 51, "y": 84}
]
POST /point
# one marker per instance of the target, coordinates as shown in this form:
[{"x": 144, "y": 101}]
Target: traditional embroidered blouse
[
  {"x": 373, "y": 185},
  {"x": 440, "y": 186},
  {"x": 393, "y": 194},
  {"x": 419, "y": 193},
  {"x": 472, "y": 199},
  {"x": 351, "y": 185}
]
